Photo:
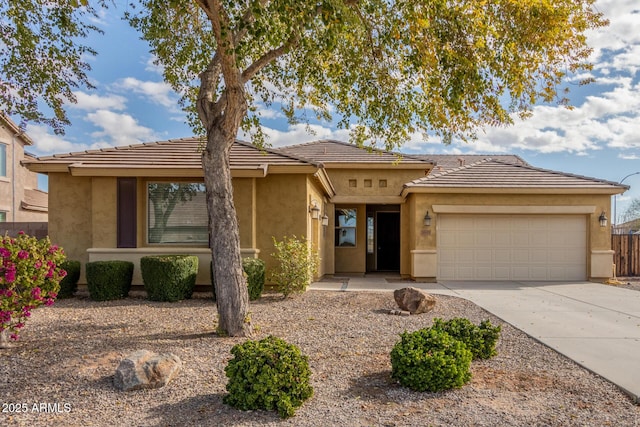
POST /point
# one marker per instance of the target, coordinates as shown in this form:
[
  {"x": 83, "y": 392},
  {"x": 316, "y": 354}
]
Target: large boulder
[
  {"x": 145, "y": 369},
  {"x": 414, "y": 300}
]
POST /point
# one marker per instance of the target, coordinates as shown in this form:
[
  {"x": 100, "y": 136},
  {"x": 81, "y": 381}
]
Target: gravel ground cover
[{"x": 69, "y": 353}]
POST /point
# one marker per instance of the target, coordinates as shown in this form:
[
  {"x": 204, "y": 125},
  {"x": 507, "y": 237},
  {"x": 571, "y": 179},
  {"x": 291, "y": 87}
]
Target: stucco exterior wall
[
  {"x": 371, "y": 183},
  {"x": 423, "y": 240},
  {"x": 281, "y": 210},
  {"x": 70, "y": 214},
  {"x": 103, "y": 212},
  {"x": 13, "y": 185},
  {"x": 353, "y": 259}
]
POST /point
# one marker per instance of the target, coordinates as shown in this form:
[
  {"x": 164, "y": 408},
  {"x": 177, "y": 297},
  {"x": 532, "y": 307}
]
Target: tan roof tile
[
  {"x": 333, "y": 152},
  {"x": 451, "y": 161},
  {"x": 182, "y": 153},
  {"x": 35, "y": 200},
  {"x": 493, "y": 173}
]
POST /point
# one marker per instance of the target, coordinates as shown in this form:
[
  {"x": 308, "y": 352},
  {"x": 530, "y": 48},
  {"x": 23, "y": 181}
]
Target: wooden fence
[{"x": 627, "y": 254}]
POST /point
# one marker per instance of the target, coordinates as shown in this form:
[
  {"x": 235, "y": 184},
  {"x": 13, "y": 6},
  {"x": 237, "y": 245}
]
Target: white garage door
[{"x": 512, "y": 247}]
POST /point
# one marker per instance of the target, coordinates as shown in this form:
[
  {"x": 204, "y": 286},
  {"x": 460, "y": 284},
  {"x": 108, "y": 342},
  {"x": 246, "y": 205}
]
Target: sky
[{"x": 599, "y": 138}]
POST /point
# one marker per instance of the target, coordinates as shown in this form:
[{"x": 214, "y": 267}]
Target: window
[
  {"x": 346, "y": 227},
  {"x": 3, "y": 160},
  {"x": 3, "y": 216},
  {"x": 177, "y": 213}
]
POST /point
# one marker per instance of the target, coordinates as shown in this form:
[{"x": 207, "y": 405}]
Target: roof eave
[{"x": 408, "y": 189}]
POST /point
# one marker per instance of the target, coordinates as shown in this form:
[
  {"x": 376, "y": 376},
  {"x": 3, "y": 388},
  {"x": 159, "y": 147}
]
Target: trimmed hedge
[
  {"x": 268, "y": 374},
  {"x": 169, "y": 277},
  {"x": 430, "y": 360},
  {"x": 254, "y": 269},
  {"x": 69, "y": 283},
  {"x": 108, "y": 280}
]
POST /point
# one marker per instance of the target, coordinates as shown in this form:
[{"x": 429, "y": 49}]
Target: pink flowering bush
[{"x": 30, "y": 276}]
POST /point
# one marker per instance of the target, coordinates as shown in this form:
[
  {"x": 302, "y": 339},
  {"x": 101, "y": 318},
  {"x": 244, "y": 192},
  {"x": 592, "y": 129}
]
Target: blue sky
[{"x": 599, "y": 138}]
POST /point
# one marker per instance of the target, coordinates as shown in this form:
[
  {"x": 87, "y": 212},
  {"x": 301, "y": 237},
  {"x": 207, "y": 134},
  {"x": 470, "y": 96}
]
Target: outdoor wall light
[
  {"x": 603, "y": 219},
  {"x": 427, "y": 220},
  {"x": 315, "y": 210},
  {"x": 325, "y": 220}
]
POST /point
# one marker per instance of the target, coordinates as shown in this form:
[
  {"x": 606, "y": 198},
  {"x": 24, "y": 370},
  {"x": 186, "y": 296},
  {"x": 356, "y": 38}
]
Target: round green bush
[
  {"x": 268, "y": 374},
  {"x": 430, "y": 360},
  {"x": 480, "y": 339},
  {"x": 69, "y": 283},
  {"x": 169, "y": 277},
  {"x": 254, "y": 270},
  {"x": 108, "y": 280}
]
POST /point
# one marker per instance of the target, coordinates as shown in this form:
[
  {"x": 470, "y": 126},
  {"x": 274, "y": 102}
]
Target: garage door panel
[{"x": 512, "y": 247}]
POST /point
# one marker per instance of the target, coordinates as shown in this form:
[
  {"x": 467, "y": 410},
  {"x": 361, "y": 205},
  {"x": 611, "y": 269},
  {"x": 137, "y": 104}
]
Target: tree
[
  {"x": 632, "y": 215},
  {"x": 385, "y": 68}
]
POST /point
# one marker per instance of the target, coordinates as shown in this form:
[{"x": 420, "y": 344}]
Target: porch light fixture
[
  {"x": 315, "y": 210},
  {"x": 325, "y": 220},
  {"x": 427, "y": 220},
  {"x": 603, "y": 219}
]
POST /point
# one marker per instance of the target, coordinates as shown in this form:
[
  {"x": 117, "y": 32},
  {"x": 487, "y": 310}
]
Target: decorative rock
[
  {"x": 414, "y": 300},
  {"x": 144, "y": 369}
]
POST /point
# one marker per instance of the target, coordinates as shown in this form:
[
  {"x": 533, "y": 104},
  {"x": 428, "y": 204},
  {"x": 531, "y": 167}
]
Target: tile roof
[
  {"x": 14, "y": 128},
  {"x": 337, "y": 152},
  {"x": 451, "y": 161},
  {"x": 494, "y": 173},
  {"x": 35, "y": 200},
  {"x": 184, "y": 153}
]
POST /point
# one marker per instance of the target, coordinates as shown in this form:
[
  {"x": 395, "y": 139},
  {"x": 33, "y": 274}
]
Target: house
[
  {"x": 20, "y": 199},
  {"x": 424, "y": 217}
]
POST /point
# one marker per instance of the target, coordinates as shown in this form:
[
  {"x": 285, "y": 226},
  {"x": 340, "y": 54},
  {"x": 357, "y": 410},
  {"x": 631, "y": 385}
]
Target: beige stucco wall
[
  {"x": 103, "y": 212},
  {"x": 343, "y": 180},
  {"x": 16, "y": 181},
  {"x": 353, "y": 259},
  {"x": 70, "y": 209},
  {"x": 281, "y": 210},
  {"x": 423, "y": 240}
]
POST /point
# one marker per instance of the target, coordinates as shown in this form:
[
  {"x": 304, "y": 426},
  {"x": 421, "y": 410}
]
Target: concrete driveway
[{"x": 596, "y": 325}]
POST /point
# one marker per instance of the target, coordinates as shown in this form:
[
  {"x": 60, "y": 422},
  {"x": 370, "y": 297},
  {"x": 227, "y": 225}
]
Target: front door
[{"x": 387, "y": 228}]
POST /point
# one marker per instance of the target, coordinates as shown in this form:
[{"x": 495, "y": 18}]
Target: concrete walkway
[{"x": 596, "y": 325}]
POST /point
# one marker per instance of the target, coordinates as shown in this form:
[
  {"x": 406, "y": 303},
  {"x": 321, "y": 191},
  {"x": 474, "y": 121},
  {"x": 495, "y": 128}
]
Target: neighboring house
[
  {"x": 479, "y": 218},
  {"x": 20, "y": 199},
  {"x": 629, "y": 227}
]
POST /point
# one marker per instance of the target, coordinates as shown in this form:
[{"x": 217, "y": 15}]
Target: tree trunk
[{"x": 224, "y": 236}]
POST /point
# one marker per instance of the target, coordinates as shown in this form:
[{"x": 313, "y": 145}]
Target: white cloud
[
  {"x": 47, "y": 143},
  {"x": 119, "y": 129},
  {"x": 158, "y": 92},
  {"x": 92, "y": 102}
]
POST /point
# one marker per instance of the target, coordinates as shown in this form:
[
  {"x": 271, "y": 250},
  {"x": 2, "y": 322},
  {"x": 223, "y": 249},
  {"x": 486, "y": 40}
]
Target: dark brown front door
[{"x": 388, "y": 241}]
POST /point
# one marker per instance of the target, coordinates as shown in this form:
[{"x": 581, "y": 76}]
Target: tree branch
[{"x": 265, "y": 59}]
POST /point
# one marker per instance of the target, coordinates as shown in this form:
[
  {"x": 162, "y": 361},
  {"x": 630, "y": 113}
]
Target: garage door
[{"x": 512, "y": 247}]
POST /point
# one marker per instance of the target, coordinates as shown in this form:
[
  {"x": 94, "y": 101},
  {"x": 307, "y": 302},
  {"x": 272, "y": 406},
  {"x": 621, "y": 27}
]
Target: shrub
[
  {"x": 297, "y": 265},
  {"x": 69, "y": 283},
  {"x": 30, "y": 275},
  {"x": 254, "y": 270},
  {"x": 108, "y": 280},
  {"x": 480, "y": 339},
  {"x": 268, "y": 374},
  {"x": 169, "y": 277},
  {"x": 430, "y": 360}
]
